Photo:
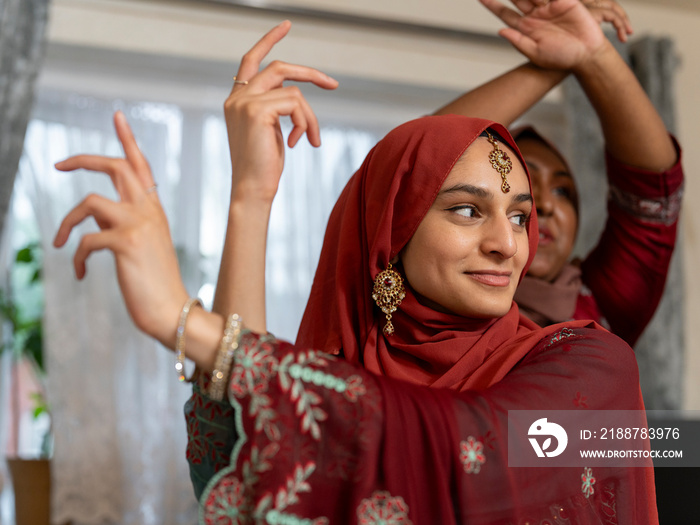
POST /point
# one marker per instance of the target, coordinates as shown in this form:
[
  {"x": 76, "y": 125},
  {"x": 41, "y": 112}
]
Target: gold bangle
[
  {"x": 224, "y": 358},
  {"x": 180, "y": 338}
]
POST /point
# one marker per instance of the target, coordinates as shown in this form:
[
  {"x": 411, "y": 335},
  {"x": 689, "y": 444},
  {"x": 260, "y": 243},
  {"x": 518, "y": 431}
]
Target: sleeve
[
  {"x": 321, "y": 441},
  {"x": 210, "y": 437},
  {"x": 626, "y": 271}
]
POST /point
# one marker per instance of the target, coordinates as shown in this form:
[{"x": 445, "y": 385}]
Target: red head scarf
[{"x": 373, "y": 220}]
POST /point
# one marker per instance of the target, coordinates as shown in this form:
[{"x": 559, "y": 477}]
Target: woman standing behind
[
  {"x": 621, "y": 281},
  {"x": 393, "y": 406}
]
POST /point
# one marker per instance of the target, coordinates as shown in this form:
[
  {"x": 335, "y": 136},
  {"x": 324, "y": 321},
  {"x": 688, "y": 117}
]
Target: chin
[
  {"x": 490, "y": 311},
  {"x": 543, "y": 269}
]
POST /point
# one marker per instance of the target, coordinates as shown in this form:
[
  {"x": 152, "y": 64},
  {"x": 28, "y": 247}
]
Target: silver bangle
[
  {"x": 224, "y": 358},
  {"x": 180, "y": 338}
]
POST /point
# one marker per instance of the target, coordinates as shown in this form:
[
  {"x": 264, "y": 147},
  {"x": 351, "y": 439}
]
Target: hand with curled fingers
[
  {"x": 253, "y": 110},
  {"x": 135, "y": 229},
  {"x": 559, "y": 34}
]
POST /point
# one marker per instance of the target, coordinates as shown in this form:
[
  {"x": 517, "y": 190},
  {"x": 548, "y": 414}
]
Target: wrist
[
  {"x": 598, "y": 64},
  {"x": 202, "y": 337},
  {"x": 248, "y": 193}
]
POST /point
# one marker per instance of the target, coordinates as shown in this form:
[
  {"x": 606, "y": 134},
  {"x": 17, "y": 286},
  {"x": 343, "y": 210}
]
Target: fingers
[
  {"x": 92, "y": 242},
  {"x": 526, "y": 45},
  {"x": 132, "y": 151},
  {"x": 525, "y": 6},
  {"x": 250, "y": 63},
  {"x": 278, "y": 72},
  {"x": 509, "y": 16},
  {"x": 289, "y": 101},
  {"x": 119, "y": 170},
  {"x": 611, "y": 12},
  {"x": 106, "y": 213}
]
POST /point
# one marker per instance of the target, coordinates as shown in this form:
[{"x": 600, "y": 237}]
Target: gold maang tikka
[
  {"x": 500, "y": 162},
  {"x": 388, "y": 293}
]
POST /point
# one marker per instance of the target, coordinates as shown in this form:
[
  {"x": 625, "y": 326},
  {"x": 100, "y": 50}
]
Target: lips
[
  {"x": 546, "y": 236},
  {"x": 491, "y": 278}
]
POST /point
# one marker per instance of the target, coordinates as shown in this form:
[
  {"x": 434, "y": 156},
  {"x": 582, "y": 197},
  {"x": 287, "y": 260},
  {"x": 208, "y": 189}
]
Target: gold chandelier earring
[{"x": 388, "y": 293}]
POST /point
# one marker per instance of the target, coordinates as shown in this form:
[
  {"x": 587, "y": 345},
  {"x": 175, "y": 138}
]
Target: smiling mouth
[{"x": 497, "y": 279}]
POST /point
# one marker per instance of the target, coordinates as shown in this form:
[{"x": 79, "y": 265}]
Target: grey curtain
[
  {"x": 660, "y": 351},
  {"x": 22, "y": 30}
]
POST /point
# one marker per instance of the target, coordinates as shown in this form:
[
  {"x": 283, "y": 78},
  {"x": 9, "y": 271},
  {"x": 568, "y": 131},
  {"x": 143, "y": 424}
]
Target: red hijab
[{"x": 373, "y": 220}]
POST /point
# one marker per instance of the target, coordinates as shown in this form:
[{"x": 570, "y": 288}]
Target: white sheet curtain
[{"x": 120, "y": 436}]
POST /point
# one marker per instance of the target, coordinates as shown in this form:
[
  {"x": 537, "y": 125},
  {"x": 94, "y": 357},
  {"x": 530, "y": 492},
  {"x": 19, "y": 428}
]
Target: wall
[{"x": 403, "y": 72}]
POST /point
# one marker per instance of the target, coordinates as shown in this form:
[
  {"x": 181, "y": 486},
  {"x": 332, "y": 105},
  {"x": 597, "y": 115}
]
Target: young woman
[
  {"x": 393, "y": 406},
  {"x": 621, "y": 281}
]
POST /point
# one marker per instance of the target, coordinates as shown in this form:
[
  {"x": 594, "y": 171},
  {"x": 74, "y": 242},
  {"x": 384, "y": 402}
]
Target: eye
[
  {"x": 465, "y": 211},
  {"x": 564, "y": 192},
  {"x": 520, "y": 220}
]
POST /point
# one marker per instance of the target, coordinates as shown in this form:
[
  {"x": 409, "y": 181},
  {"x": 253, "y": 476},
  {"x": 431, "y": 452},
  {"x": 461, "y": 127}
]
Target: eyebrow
[
  {"x": 482, "y": 193},
  {"x": 559, "y": 173}
]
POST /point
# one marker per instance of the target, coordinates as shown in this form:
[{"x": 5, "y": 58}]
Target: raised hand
[
  {"x": 559, "y": 34},
  {"x": 135, "y": 229},
  {"x": 253, "y": 110}
]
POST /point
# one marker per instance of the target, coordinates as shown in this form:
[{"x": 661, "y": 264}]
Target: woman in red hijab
[{"x": 393, "y": 407}]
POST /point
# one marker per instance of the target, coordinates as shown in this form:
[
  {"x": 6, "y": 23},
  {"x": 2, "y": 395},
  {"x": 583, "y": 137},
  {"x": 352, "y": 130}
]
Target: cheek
[
  {"x": 523, "y": 253},
  {"x": 568, "y": 221}
]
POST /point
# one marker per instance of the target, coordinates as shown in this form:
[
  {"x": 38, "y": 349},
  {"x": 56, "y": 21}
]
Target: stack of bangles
[{"x": 224, "y": 357}]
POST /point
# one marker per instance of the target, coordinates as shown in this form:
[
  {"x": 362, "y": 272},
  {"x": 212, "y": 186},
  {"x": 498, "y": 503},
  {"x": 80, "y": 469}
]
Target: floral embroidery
[
  {"x": 293, "y": 373},
  {"x": 199, "y": 416},
  {"x": 560, "y": 335},
  {"x": 580, "y": 400},
  {"x": 488, "y": 439},
  {"x": 472, "y": 455},
  {"x": 587, "y": 482},
  {"x": 659, "y": 210},
  {"x": 252, "y": 369},
  {"x": 608, "y": 504},
  {"x": 225, "y": 504},
  {"x": 354, "y": 388},
  {"x": 383, "y": 509},
  {"x": 231, "y": 496}
]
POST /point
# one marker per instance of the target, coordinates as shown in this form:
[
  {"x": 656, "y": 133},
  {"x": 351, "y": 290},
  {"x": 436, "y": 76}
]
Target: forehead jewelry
[{"x": 500, "y": 162}]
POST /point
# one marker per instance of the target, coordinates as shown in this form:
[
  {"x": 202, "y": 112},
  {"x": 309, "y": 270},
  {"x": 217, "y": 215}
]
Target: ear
[{"x": 395, "y": 260}]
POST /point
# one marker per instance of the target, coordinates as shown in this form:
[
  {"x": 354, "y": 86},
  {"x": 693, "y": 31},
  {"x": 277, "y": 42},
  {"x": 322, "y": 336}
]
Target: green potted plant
[{"x": 21, "y": 307}]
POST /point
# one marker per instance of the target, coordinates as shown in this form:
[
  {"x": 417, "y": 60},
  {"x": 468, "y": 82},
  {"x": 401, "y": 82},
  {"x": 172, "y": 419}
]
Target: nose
[
  {"x": 499, "y": 238},
  {"x": 544, "y": 200}
]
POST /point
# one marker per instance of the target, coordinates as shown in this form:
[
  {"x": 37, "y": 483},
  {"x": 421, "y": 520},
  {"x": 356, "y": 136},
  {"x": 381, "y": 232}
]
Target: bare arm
[
  {"x": 252, "y": 114},
  {"x": 507, "y": 97},
  {"x": 135, "y": 228},
  {"x": 633, "y": 129},
  {"x": 565, "y": 34}
]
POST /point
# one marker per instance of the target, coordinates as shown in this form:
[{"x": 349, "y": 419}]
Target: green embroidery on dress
[{"x": 254, "y": 367}]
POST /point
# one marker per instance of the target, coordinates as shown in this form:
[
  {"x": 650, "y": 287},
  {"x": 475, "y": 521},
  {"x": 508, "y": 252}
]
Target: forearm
[
  {"x": 634, "y": 131},
  {"x": 507, "y": 97},
  {"x": 241, "y": 285}
]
